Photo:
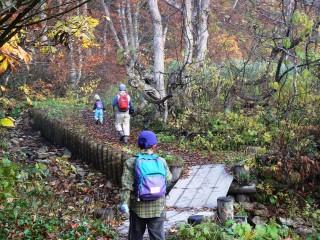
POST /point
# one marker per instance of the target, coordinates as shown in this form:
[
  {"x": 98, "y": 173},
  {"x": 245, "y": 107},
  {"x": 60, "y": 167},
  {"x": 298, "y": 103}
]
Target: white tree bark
[
  {"x": 158, "y": 45},
  {"x": 85, "y": 14},
  {"x": 73, "y": 69},
  {"x": 202, "y": 10},
  {"x": 188, "y": 32}
]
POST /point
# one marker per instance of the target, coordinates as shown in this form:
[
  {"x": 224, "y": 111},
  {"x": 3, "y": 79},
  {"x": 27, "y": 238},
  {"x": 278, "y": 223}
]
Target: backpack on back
[
  {"x": 150, "y": 177},
  {"x": 99, "y": 105},
  {"x": 123, "y": 102}
]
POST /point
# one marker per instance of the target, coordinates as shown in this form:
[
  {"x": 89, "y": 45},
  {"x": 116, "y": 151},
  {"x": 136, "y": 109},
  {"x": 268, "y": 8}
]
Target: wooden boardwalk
[
  {"x": 190, "y": 195},
  {"x": 201, "y": 189}
]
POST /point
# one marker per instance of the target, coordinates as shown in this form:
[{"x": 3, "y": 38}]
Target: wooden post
[
  {"x": 105, "y": 161},
  {"x": 225, "y": 209},
  {"x": 110, "y": 165},
  {"x": 100, "y": 154}
]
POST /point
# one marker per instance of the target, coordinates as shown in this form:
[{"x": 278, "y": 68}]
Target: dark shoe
[
  {"x": 121, "y": 135},
  {"x": 97, "y": 121}
]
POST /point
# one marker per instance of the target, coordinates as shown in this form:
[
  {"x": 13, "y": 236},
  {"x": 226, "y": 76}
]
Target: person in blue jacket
[
  {"x": 122, "y": 108},
  {"x": 98, "y": 109}
]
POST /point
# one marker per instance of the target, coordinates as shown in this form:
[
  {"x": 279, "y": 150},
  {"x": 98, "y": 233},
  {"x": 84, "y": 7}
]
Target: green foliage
[
  {"x": 231, "y": 132},
  {"x": 29, "y": 208},
  {"x": 164, "y": 138},
  {"x": 173, "y": 159},
  {"x": 61, "y": 107},
  {"x": 8, "y": 178},
  {"x": 210, "y": 230}
]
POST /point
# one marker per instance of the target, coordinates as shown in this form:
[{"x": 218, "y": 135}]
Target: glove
[{"x": 124, "y": 207}]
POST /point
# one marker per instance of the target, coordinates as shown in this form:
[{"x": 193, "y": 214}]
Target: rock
[
  {"x": 257, "y": 220},
  {"x": 249, "y": 206},
  {"x": 108, "y": 184},
  {"x": 240, "y": 219},
  {"x": 291, "y": 222},
  {"x": 44, "y": 161},
  {"x": 72, "y": 177},
  {"x": 42, "y": 149},
  {"x": 241, "y": 198},
  {"x": 66, "y": 153},
  {"x": 42, "y": 155},
  {"x": 14, "y": 141},
  {"x": 287, "y": 222},
  {"x": 104, "y": 214},
  {"x": 304, "y": 231},
  {"x": 262, "y": 212},
  {"x": 80, "y": 172}
]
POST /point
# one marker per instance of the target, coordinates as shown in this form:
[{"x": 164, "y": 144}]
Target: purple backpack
[
  {"x": 150, "y": 177},
  {"x": 99, "y": 105}
]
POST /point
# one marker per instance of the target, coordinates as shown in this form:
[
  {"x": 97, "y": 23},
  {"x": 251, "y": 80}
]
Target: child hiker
[
  {"x": 98, "y": 109},
  {"x": 144, "y": 181}
]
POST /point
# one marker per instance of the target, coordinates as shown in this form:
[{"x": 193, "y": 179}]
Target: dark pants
[{"x": 138, "y": 226}]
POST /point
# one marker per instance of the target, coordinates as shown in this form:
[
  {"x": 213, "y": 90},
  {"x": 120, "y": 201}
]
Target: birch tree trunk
[
  {"x": 202, "y": 10},
  {"x": 73, "y": 69},
  {"x": 158, "y": 46},
  {"x": 188, "y": 32}
]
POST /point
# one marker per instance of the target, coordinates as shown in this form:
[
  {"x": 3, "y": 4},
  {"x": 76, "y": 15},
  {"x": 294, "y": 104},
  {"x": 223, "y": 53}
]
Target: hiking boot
[
  {"x": 121, "y": 134},
  {"x": 125, "y": 139},
  {"x": 97, "y": 121},
  {"x": 101, "y": 122}
]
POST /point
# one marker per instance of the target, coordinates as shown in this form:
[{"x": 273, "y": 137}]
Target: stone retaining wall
[{"x": 101, "y": 157}]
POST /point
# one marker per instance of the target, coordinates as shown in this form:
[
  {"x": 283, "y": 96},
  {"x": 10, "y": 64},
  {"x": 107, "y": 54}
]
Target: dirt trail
[{"x": 107, "y": 133}]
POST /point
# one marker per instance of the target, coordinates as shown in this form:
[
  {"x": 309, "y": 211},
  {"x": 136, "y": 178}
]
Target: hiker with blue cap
[
  {"x": 122, "y": 108},
  {"x": 144, "y": 182}
]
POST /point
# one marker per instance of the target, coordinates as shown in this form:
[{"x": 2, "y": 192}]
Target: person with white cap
[
  {"x": 123, "y": 108},
  {"x": 98, "y": 109},
  {"x": 144, "y": 200}
]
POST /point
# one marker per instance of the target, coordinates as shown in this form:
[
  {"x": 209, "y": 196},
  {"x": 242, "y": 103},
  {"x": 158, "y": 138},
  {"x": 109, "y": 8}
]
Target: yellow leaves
[
  {"x": 11, "y": 53},
  {"x": 24, "y": 89},
  {"x": 6, "y": 122},
  {"x": 76, "y": 26},
  {"x": 3, "y": 64},
  {"x": 29, "y": 101},
  {"x": 275, "y": 85},
  {"x": 3, "y": 88}
]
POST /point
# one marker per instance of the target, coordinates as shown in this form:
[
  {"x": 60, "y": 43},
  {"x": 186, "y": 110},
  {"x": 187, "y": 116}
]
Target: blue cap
[
  {"x": 147, "y": 139},
  {"x": 122, "y": 87}
]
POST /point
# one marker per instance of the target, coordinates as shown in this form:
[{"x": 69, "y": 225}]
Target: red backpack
[{"x": 123, "y": 102}]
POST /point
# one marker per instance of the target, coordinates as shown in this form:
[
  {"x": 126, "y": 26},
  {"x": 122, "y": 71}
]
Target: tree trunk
[
  {"x": 158, "y": 54},
  {"x": 202, "y": 10}
]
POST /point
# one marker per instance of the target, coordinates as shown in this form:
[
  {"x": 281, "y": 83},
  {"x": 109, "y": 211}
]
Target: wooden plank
[
  {"x": 186, "y": 198},
  {"x": 208, "y": 186},
  {"x": 223, "y": 185},
  {"x": 174, "y": 196},
  {"x": 191, "y": 190}
]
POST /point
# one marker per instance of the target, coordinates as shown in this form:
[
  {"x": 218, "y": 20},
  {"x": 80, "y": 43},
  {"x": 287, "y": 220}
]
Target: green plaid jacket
[{"x": 144, "y": 209}]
